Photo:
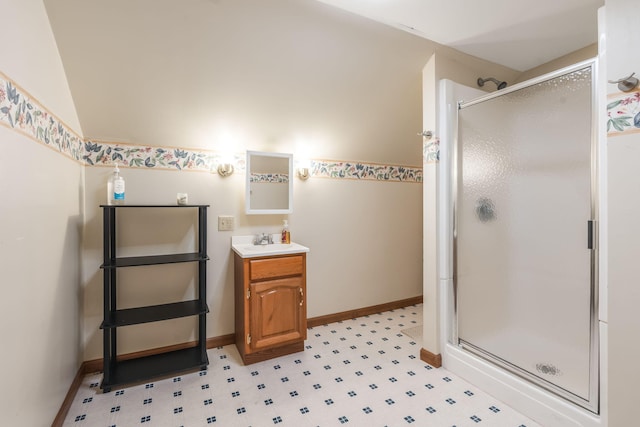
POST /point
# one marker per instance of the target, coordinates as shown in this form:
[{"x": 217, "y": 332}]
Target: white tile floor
[{"x": 360, "y": 372}]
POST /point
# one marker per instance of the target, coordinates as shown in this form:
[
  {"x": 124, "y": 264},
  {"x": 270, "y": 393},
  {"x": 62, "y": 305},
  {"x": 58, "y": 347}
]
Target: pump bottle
[
  {"x": 286, "y": 234},
  {"x": 115, "y": 188}
]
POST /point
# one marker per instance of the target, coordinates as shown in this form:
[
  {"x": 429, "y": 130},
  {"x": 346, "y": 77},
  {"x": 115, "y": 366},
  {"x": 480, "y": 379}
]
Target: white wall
[
  {"x": 431, "y": 298},
  {"x": 40, "y": 232},
  {"x": 33, "y": 49},
  {"x": 622, "y": 38}
]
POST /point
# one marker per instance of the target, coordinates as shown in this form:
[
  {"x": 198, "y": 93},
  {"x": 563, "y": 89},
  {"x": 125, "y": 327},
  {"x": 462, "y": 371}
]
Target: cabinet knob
[{"x": 301, "y": 296}]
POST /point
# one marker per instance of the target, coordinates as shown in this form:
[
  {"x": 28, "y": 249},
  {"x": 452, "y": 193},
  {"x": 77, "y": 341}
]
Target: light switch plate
[{"x": 226, "y": 223}]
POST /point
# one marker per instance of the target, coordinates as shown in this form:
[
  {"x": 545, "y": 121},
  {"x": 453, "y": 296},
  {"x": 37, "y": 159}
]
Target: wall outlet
[{"x": 226, "y": 223}]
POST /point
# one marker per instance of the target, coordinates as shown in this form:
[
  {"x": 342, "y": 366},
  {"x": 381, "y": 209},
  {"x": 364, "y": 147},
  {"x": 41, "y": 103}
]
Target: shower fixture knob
[{"x": 485, "y": 209}]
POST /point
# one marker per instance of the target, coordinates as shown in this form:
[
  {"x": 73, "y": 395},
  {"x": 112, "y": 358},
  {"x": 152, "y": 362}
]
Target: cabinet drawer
[{"x": 275, "y": 267}]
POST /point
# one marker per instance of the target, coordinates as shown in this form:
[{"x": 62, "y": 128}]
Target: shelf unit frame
[{"x": 119, "y": 372}]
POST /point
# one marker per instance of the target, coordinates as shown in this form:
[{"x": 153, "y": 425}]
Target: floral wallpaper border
[
  {"x": 623, "y": 113},
  {"x": 138, "y": 156},
  {"x": 271, "y": 178},
  {"x": 97, "y": 153},
  {"x": 21, "y": 112},
  {"x": 431, "y": 151},
  {"x": 364, "y": 171}
]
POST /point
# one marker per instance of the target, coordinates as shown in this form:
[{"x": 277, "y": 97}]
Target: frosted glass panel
[{"x": 523, "y": 267}]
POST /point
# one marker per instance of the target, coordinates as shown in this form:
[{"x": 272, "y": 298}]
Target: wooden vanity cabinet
[{"x": 270, "y": 306}]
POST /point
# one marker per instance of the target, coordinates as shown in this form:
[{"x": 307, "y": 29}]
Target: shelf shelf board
[
  {"x": 153, "y": 206},
  {"x": 155, "y": 313},
  {"x": 155, "y": 260},
  {"x": 157, "y": 365}
]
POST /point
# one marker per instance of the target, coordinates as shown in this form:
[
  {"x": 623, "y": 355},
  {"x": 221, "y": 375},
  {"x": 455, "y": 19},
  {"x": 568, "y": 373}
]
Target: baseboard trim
[
  {"x": 95, "y": 365},
  {"x": 68, "y": 399},
  {"x": 434, "y": 360},
  {"x": 221, "y": 341},
  {"x": 364, "y": 311}
]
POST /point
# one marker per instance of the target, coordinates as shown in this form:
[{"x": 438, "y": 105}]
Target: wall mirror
[{"x": 269, "y": 183}]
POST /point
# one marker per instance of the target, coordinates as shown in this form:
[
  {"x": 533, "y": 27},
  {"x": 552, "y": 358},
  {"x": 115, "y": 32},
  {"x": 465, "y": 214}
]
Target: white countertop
[{"x": 243, "y": 246}]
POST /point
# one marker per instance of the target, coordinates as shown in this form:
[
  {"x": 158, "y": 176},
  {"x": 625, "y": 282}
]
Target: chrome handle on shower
[{"x": 591, "y": 234}]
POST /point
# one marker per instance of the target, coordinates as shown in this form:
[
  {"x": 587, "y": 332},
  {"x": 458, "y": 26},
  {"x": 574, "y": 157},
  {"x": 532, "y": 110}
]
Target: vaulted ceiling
[
  {"x": 259, "y": 73},
  {"x": 520, "y": 34}
]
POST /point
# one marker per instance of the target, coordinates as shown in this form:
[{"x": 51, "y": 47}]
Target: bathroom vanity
[{"x": 270, "y": 299}]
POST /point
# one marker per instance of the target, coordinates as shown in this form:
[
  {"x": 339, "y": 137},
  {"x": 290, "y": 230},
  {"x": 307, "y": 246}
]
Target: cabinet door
[{"x": 277, "y": 312}]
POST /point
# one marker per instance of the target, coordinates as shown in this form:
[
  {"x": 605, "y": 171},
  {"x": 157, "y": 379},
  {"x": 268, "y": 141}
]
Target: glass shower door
[{"x": 524, "y": 272}]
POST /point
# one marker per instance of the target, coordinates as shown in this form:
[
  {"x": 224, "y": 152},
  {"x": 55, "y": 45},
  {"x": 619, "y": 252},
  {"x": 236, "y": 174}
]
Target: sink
[{"x": 243, "y": 246}]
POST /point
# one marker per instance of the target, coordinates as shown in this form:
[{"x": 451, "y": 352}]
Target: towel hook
[
  {"x": 426, "y": 134},
  {"x": 626, "y": 84}
]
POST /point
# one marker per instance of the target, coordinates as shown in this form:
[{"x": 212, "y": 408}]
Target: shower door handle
[{"x": 590, "y": 234}]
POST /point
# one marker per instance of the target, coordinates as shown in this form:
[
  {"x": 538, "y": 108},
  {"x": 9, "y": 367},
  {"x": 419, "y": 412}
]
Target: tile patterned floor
[{"x": 360, "y": 372}]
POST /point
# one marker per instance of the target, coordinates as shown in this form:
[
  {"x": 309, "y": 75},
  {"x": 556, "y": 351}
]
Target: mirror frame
[{"x": 248, "y": 209}]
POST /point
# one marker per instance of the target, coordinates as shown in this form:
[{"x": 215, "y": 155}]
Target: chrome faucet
[{"x": 263, "y": 239}]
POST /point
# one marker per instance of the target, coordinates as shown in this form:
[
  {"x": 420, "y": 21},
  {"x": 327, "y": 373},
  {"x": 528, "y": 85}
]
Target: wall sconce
[
  {"x": 303, "y": 170},
  {"x": 225, "y": 169},
  {"x": 303, "y": 173},
  {"x": 225, "y": 165}
]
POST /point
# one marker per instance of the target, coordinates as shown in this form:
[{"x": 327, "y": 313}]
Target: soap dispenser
[
  {"x": 115, "y": 188},
  {"x": 286, "y": 234}
]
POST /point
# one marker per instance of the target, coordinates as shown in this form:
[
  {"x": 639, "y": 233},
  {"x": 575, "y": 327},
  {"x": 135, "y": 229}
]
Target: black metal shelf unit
[{"x": 119, "y": 372}]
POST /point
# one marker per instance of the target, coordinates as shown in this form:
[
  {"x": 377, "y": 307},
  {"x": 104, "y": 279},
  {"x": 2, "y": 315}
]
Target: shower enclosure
[{"x": 525, "y": 233}]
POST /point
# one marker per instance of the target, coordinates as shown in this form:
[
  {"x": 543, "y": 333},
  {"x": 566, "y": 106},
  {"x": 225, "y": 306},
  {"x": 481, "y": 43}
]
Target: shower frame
[{"x": 592, "y": 404}]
